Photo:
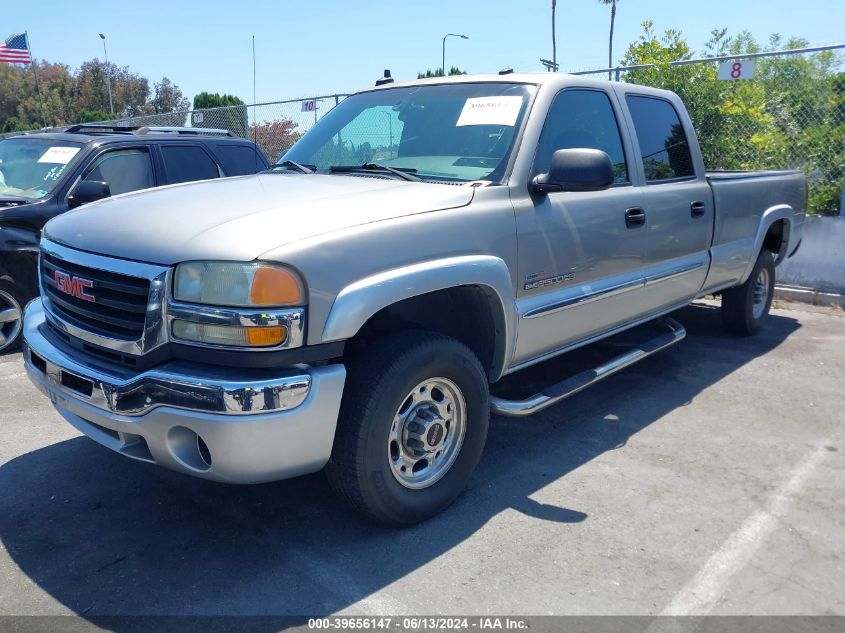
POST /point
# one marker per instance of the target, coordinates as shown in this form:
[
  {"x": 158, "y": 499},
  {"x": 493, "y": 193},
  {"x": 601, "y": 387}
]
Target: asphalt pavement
[{"x": 707, "y": 479}]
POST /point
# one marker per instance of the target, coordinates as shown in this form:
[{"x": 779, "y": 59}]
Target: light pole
[
  {"x": 390, "y": 127},
  {"x": 463, "y": 37},
  {"x": 108, "y": 72}
]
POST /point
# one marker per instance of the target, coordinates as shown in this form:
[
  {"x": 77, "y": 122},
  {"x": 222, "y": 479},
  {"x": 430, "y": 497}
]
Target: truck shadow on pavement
[{"x": 105, "y": 536}]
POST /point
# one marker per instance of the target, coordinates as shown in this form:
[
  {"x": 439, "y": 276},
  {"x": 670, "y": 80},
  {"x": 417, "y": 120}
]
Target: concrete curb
[{"x": 808, "y": 295}]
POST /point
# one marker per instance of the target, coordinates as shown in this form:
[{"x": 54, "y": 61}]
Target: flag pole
[{"x": 35, "y": 74}]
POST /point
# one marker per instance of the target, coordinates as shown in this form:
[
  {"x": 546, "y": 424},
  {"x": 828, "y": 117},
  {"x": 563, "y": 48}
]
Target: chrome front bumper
[{"x": 233, "y": 425}]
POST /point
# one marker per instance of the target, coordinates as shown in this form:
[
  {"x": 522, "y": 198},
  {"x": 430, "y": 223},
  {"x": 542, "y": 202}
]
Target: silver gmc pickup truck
[{"x": 350, "y": 308}]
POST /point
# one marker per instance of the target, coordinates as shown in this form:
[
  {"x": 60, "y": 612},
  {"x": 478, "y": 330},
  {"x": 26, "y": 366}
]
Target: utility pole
[
  {"x": 554, "y": 42},
  {"x": 108, "y": 73}
]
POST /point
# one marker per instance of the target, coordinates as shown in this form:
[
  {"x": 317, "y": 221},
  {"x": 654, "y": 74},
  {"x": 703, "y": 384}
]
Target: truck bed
[{"x": 741, "y": 199}]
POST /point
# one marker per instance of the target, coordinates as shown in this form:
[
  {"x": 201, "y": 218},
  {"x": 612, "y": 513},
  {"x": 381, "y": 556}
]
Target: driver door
[{"x": 581, "y": 254}]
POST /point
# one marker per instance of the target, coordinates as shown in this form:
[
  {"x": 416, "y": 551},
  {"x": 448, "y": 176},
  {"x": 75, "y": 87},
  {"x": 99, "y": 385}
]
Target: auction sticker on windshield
[
  {"x": 58, "y": 155},
  {"x": 490, "y": 111}
]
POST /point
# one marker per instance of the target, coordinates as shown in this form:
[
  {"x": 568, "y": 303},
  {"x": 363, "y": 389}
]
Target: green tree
[
  {"x": 454, "y": 70},
  {"x": 69, "y": 97},
  {"x": 223, "y": 111},
  {"x": 130, "y": 91},
  {"x": 215, "y": 100},
  {"x": 88, "y": 116},
  {"x": 786, "y": 117},
  {"x": 168, "y": 98}
]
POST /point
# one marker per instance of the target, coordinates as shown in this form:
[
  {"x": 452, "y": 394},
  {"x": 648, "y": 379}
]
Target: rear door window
[
  {"x": 663, "y": 143},
  {"x": 239, "y": 160},
  {"x": 186, "y": 163}
]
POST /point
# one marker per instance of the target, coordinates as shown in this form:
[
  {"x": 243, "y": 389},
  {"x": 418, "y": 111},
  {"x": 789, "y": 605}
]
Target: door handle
[
  {"x": 634, "y": 217},
  {"x": 697, "y": 209}
]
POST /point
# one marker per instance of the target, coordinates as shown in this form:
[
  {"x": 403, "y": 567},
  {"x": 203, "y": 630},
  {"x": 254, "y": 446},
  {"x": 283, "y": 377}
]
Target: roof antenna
[{"x": 387, "y": 79}]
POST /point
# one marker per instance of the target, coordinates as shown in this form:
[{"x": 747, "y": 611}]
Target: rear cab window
[{"x": 664, "y": 147}]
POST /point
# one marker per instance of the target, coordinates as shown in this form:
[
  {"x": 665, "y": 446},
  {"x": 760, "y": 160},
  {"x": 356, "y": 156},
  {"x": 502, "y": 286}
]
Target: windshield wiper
[
  {"x": 13, "y": 199},
  {"x": 305, "y": 169},
  {"x": 405, "y": 173}
]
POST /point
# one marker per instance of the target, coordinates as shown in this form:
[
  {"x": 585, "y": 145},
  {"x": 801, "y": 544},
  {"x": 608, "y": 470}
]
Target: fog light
[{"x": 234, "y": 335}]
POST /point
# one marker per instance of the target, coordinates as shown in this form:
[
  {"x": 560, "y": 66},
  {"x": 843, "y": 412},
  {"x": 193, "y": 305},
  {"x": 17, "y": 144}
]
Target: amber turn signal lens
[
  {"x": 275, "y": 287},
  {"x": 266, "y": 336}
]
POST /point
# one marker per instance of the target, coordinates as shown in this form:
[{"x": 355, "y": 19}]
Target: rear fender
[{"x": 769, "y": 217}]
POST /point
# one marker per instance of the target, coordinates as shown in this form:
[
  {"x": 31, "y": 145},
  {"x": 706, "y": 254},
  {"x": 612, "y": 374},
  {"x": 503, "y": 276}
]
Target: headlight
[
  {"x": 238, "y": 285},
  {"x": 250, "y": 305}
]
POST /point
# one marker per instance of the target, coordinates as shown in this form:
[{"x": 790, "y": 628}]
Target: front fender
[
  {"x": 769, "y": 217},
  {"x": 360, "y": 300},
  {"x": 19, "y": 257}
]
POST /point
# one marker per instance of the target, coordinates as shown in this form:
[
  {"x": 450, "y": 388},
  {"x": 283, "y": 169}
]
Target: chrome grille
[
  {"x": 119, "y": 303},
  {"x": 111, "y": 303}
]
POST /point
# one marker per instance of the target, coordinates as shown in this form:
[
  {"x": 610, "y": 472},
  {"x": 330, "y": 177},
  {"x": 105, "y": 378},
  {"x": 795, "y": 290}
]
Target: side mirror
[
  {"x": 578, "y": 169},
  {"x": 88, "y": 191}
]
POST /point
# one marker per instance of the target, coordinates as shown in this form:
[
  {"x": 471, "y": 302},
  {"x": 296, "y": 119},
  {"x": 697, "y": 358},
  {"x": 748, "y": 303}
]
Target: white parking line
[{"x": 703, "y": 592}]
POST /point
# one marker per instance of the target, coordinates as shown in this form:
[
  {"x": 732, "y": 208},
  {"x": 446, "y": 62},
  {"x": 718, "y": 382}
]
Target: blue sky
[{"x": 323, "y": 46}]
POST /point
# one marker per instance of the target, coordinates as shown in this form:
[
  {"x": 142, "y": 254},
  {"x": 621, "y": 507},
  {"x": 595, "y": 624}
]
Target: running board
[{"x": 557, "y": 392}]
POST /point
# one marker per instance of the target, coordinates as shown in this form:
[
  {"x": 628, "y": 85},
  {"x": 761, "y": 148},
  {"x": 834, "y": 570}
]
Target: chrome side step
[{"x": 557, "y": 392}]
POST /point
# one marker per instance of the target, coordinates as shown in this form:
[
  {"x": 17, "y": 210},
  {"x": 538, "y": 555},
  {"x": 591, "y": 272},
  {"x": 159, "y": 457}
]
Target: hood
[{"x": 241, "y": 218}]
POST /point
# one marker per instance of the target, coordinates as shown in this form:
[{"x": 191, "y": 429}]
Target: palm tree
[{"x": 612, "y": 4}]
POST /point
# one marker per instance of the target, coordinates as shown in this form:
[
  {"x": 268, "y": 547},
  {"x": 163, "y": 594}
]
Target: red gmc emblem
[{"x": 73, "y": 286}]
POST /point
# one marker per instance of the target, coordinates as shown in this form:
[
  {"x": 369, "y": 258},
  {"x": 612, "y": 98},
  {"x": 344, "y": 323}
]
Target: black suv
[{"x": 47, "y": 173}]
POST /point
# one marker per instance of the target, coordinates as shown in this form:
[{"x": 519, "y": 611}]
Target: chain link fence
[
  {"x": 790, "y": 114},
  {"x": 273, "y": 126},
  {"x": 780, "y": 110}
]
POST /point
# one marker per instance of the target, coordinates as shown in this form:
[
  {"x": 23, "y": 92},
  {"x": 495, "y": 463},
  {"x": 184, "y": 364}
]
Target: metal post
[{"x": 108, "y": 73}]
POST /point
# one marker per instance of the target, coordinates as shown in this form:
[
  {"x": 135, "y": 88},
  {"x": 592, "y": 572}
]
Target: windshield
[
  {"x": 31, "y": 167},
  {"x": 456, "y": 132}
]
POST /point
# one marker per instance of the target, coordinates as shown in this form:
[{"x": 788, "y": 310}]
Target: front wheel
[
  {"x": 412, "y": 427},
  {"x": 745, "y": 309}
]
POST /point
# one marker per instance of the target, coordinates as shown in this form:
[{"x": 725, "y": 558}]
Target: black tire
[
  {"x": 378, "y": 384},
  {"x": 12, "y": 297},
  {"x": 744, "y": 309}
]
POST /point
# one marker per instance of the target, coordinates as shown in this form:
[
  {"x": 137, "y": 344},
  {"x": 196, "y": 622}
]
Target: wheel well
[
  {"x": 470, "y": 314},
  {"x": 776, "y": 239}
]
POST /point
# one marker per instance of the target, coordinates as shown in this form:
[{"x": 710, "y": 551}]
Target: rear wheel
[
  {"x": 745, "y": 309},
  {"x": 412, "y": 427},
  {"x": 12, "y": 300}
]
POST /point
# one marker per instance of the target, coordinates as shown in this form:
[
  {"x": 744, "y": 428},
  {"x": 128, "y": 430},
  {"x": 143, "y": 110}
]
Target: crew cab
[
  {"x": 46, "y": 173},
  {"x": 351, "y": 308}
]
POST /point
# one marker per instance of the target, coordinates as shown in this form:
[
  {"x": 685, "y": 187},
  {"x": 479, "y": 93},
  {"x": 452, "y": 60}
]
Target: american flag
[{"x": 15, "y": 50}]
